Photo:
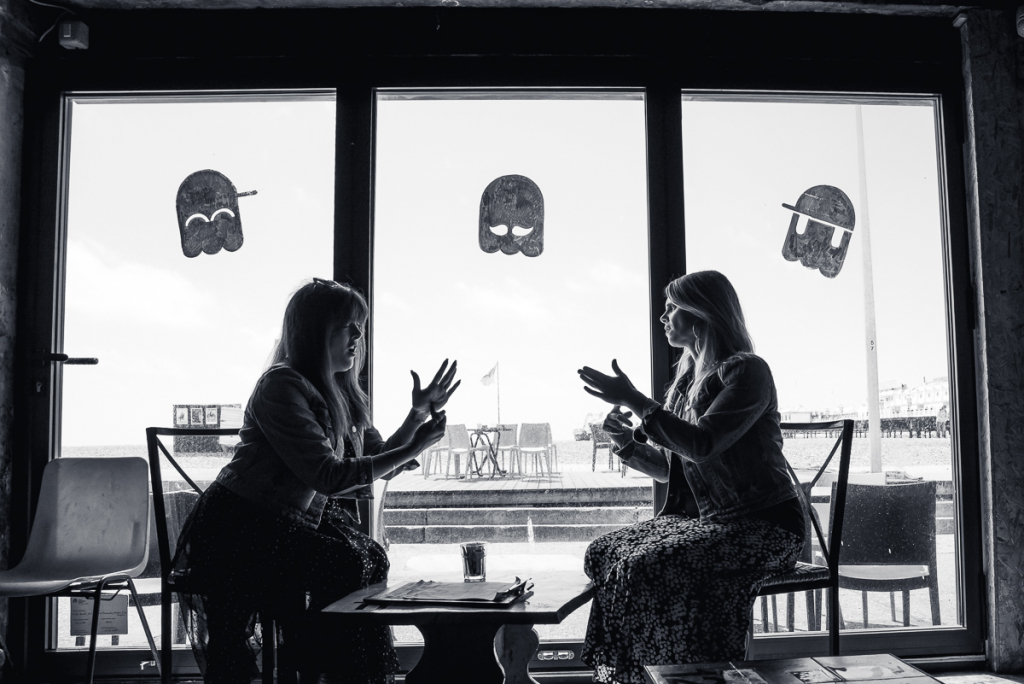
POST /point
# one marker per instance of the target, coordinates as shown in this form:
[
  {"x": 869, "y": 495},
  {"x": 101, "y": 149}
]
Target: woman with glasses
[
  {"x": 281, "y": 518},
  {"x": 679, "y": 588}
]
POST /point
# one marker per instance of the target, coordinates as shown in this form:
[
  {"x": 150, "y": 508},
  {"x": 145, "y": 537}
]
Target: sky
[{"x": 173, "y": 330}]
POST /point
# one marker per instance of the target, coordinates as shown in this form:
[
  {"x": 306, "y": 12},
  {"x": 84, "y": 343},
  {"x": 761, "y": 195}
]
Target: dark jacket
[
  {"x": 731, "y": 456},
  {"x": 287, "y": 459}
]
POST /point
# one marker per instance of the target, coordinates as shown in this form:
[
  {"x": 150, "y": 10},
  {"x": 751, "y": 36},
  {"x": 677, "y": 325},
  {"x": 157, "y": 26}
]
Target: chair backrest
[
  {"x": 816, "y": 456},
  {"x": 534, "y": 435},
  {"x": 509, "y": 436},
  {"x": 890, "y": 524},
  {"x": 598, "y": 435},
  {"x": 458, "y": 437},
  {"x": 172, "y": 506},
  {"x": 178, "y": 504},
  {"x": 92, "y": 517}
]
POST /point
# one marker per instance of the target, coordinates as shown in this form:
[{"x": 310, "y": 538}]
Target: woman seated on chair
[
  {"x": 679, "y": 588},
  {"x": 281, "y": 517}
]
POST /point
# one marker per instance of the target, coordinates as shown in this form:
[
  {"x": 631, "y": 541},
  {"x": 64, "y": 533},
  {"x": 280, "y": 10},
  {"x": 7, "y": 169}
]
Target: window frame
[{"x": 663, "y": 52}]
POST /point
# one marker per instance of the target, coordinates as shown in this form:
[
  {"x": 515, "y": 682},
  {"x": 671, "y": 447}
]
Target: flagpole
[
  {"x": 871, "y": 342},
  {"x": 497, "y": 383}
]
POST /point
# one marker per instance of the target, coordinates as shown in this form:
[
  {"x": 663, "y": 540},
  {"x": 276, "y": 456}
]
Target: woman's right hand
[
  {"x": 431, "y": 430},
  {"x": 618, "y": 426}
]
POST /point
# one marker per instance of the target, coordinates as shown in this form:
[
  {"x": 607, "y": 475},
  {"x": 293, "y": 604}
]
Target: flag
[{"x": 489, "y": 378}]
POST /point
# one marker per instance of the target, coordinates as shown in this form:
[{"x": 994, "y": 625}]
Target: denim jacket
[
  {"x": 731, "y": 455},
  {"x": 287, "y": 458}
]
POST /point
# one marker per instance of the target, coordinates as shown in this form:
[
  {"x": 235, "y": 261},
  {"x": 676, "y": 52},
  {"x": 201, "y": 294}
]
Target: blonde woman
[
  {"x": 679, "y": 588},
  {"x": 281, "y": 518}
]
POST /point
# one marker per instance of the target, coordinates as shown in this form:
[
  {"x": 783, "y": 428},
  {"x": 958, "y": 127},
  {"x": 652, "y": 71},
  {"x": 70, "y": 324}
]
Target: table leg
[
  {"x": 515, "y": 646},
  {"x": 457, "y": 655}
]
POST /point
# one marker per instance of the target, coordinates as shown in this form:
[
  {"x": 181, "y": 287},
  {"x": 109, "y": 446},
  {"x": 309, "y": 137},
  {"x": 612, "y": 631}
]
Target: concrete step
[
  {"x": 590, "y": 515},
  {"x": 508, "y": 524},
  {"x": 511, "y": 524},
  {"x": 454, "y": 534},
  {"x": 509, "y": 498}
]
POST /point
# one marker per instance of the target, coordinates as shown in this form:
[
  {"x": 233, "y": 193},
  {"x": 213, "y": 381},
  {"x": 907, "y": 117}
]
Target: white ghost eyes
[
  {"x": 518, "y": 231},
  {"x": 207, "y": 220}
]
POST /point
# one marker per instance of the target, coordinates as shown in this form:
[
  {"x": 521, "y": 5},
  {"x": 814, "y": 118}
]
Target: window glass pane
[
  {"x": 520, "y": 326},
  {"x": 828, "y": 218},
  {"x": 182, "y": 339}
]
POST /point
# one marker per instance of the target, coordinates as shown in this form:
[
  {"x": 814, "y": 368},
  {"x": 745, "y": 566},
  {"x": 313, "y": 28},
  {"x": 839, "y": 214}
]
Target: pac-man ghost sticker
[
  {"x": 827, "y": 210},
  {"x": 208, "y": 217},
  {"x": 512, "y": 217}
]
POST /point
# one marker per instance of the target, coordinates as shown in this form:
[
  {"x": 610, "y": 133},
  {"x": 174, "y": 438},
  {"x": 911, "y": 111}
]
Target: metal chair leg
[{"x": 145, "y": 627}]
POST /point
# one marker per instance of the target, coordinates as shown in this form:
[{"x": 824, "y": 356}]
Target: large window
[
  {"x": 173, "y": 284},
  {"x": 828, "y": 218},
  {"x": 460, "y": 176},
  {"x": 520, "y": 215}
]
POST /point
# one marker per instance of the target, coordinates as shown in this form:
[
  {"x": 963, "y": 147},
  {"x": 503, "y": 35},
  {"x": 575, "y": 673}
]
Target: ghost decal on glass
[
  {"x": 829, "y": 226},
  {"x": 512, "y": 217},
  {"x": 208, "y": 217}
]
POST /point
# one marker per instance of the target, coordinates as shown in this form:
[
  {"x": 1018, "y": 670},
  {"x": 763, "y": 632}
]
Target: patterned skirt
[
  {"x": 236, "y": 559},
  {"x": 675, "y": 590}
]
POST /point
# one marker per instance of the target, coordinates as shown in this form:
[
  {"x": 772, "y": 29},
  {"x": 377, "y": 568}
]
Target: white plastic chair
[
  {"x": 90, "y": 536},
  {"x": 459, "y": 445},
  {"x": 535, "y": 441},
  {"x": 432, "y": 457},
  {"x": 508, "y": 443}
]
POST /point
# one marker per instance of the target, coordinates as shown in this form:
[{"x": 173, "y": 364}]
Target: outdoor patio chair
[
  {"x": 432, "y": 456},
  {"x": 889, "y": 544},
  {"x": 809, "y": 576},
  {"x": 508, "y": 445},
  {"x": 600, "y": 440},
  {"x": 535, "y": 442},
  {"x": 820, "y": 509},
  {"x": 89, "y": 538},
  {"x": 461, "y": 448},
  {"x": 170, "y": 511}
]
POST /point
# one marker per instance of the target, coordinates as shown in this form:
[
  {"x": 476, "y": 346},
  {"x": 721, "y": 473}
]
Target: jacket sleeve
[
  {"x": 746, "y": 393},
  {"x": 282, "y": 407}
]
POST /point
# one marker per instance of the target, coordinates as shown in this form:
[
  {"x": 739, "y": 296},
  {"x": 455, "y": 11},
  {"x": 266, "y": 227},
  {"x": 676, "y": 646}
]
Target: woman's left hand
[
  {"x": 614, "y": 389},
  {"x": 436, "y": 394}
]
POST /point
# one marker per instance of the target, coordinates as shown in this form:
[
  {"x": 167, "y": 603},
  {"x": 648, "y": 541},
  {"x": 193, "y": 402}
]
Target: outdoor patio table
[
  {"x": 459, "y": 641},
  {"x": 483, "y": 434}
]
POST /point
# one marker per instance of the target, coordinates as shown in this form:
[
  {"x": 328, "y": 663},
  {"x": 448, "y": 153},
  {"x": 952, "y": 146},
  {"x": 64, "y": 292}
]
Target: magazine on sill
[{"x": 456, "y": 593}]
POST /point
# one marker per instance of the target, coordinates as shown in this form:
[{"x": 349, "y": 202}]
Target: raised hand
[
  {"x": 431, "y": 431},
  {"x": 618, "y": 426},
  {"x": 435, "y": 395},
  {"x": 615, "y": 389}
]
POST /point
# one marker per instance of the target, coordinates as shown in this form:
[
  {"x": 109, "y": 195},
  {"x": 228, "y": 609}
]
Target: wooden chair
[
  {"x": 807, "y": 575},
  {"x": 889, "y": 544}
]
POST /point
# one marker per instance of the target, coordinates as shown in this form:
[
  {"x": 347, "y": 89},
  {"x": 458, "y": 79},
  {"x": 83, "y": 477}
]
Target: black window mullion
[
  {"x": 353, "y": 212},
  {"x": 666, "y": 221}
]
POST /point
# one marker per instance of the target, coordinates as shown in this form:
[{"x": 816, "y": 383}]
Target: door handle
[{"x": 79, "y": 361}]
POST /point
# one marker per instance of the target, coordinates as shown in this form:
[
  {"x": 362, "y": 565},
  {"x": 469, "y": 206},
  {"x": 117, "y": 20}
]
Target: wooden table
[
  {"x": 459, "y": 643},
  {"x": 860, "y": 669}
]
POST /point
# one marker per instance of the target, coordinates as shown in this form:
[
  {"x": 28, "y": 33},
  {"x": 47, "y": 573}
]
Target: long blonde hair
[
  {"x": 711, "y": 298},
  {"x": 312, "y": 313}
]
